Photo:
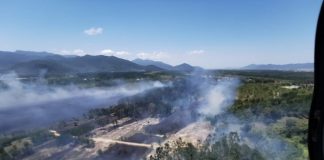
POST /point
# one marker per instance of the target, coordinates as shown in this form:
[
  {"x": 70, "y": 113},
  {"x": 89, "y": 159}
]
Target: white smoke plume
[
  {"x": 26, "y": 105},
  {"x": 219, "y": 97},
  {"x": 20, "y": 94}
]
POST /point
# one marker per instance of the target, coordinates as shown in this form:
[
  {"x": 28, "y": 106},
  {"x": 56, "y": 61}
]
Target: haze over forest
[{"x": 156, "y": 80}]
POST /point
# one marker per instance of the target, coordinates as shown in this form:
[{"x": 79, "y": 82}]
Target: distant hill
[
  {"x": 184, "y": 67},
  {"x": 288, "y": 67},
  {"x": 153, "y": 68},
  {"x": 27, "y": 62},
  {"x": 9, "y": 59},
  {"x": 34, "y": 63},
  {"x": 84, "y": 64},
  {"x": 101, "y": 64},
  {"x": 155, "y": 63},
  {"x": 37, "y": 67}
]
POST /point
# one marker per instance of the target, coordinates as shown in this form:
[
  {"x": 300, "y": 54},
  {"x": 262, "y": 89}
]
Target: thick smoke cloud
[
  {"x": 18, "y": 94},
  {"x": 219, "y": 97},
  {"x": 40, "y": 104}
]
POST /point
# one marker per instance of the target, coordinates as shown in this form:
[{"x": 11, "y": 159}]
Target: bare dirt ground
[
  {"x": 129, "y": 135},
  {"x": 104, "y": 137},
  {"x": 194, "y": 133}
]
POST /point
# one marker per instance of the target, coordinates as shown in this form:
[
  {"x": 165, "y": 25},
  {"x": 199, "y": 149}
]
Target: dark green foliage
[
  {"x": 108, "y": 78},
  {"x": 272, "y": 100},
  {"x": 270, "y": 75},
  {"x": 263, "y": 98}
]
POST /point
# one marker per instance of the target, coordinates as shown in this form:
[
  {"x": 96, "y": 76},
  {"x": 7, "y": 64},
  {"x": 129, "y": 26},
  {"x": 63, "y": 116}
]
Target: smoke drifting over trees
[
  {"x": 219, "y": 97},
  {"x": 160, "y": 110},
  {"x": 38, "y": 103}
]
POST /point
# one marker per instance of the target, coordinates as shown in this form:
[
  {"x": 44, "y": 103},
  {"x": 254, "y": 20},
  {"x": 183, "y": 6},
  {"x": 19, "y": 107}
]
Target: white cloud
[
  {"x": 196, "y": 52},
  {"x": 93, "y": 31},
  {"x": 120, "y": 54},
  {"x": 78, "y": 52},
  {"x": 107, "y": 52},
  {"x": 153, "y": 55},
  {"x": 65, "y": 52}
]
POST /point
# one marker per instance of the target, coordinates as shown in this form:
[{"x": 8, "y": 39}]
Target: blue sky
[{"x": 208, "y": 33}]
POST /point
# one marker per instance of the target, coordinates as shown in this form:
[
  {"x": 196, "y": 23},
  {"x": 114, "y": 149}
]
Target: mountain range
[
  {"x": 284, "y": 67},
  {"x": 155, "y": 63},
  {"x": 34, "y": 63},
  {"x": 182, "y": 67}
]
